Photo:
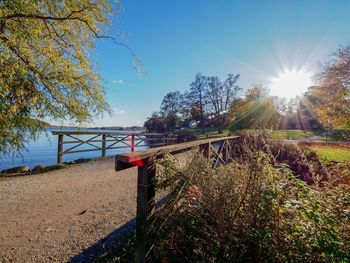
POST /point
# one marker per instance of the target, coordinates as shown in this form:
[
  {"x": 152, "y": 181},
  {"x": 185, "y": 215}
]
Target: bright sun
[{"x": 290, "y": 83}]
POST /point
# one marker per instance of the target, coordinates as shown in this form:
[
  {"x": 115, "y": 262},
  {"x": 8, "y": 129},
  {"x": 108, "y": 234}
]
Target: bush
[
  {"x": 303, "y": 163},
  {"x": 185, "y": 136},
  {"x": 255, "y": 209},
  {"x": 252, "y": 210}
]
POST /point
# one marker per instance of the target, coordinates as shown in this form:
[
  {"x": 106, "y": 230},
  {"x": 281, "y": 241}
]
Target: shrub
[
  {"x": 252, "y": 210},
  {"x": 255, "y": 209},
  {"x": 185, "y": 136},
  {"x": 303, "y": 163}
]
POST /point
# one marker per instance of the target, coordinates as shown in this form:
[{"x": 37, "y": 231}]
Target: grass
[
  {"x": 329, "y": 152},
  {"x": 209, "y": 133},
  {"x": 276, "y": 134},
  {"x": 292, "y": 134},
  {"x": 339, "y": 135}
]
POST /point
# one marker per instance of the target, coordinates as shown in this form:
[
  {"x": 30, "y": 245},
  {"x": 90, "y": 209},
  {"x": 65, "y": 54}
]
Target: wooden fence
[
  {"x": 217, "y": 151},
  {"x": 87, "y": 141}
]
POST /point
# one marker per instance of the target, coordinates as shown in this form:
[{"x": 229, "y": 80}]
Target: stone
[
  {"x": 38, "y": 169},
  {"x": 82, "y": 160},
  {"x": 18, "y": 169},
  {"x": 54, "y": 167},
  {"x": 69, "y": 163}
]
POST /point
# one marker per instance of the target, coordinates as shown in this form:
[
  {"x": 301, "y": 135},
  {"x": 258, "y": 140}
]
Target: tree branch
[
  {"x": 68, "y": 17},
  {"x": 31, "y": 68}
]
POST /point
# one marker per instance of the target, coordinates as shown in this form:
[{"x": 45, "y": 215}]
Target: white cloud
[
  {"x": 118, "y": 81},
  {"x": 118, "y": 111}
]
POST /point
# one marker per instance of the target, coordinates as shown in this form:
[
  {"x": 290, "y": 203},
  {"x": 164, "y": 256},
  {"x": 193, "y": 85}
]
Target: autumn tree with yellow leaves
[
  {"x": 46, "y": 68},
  {"x": 331, "y": 99}
]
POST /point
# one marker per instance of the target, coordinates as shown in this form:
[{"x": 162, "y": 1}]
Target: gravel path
[{"x": 56, "y": 216}]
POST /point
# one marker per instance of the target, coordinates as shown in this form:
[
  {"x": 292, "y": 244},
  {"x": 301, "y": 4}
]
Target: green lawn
[
  {"x": 292, "y": 134},
  {"x": 332, "y": 152},
  {"x": 339, "y": 135},
  {"x": 276, "y": 134},
  {"x": 208, "y": 133}
]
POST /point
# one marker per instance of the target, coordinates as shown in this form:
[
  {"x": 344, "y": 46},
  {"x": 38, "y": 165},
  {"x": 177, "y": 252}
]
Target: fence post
[
  {"x": 145, "y": 209},
  {"x": 225, "y": 151},
  {"x": 60, "y": 149},
  {"x": 103, "y": 145},
  {"x": 132, "y": 142},
  {"x": 205, "y": 149}
]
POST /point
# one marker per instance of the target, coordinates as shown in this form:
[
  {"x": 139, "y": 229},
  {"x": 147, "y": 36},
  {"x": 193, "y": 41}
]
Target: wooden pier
[{"x": 87, "y": 141}]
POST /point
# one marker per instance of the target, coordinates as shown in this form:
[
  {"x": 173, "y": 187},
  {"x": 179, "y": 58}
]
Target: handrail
[
  {"x": 107, "y": 140},
  {"x": 171, "y": 149},
  {"x": 144, "y": 160},
  {"x": 102, "y": 132}
]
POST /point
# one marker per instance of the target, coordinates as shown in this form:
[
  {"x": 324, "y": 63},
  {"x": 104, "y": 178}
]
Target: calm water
[{"x": 44, "y": 151}]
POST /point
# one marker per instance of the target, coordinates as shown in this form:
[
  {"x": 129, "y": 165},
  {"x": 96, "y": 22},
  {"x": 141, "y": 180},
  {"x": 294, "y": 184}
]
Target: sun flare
[{"x": 290, "y": 83}]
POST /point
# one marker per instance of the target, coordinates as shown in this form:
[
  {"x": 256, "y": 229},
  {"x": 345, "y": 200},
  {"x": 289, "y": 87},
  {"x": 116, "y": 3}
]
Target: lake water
[{"x": 44, "y": 150}]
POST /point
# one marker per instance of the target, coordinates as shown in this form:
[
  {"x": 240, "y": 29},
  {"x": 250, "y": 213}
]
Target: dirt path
[{"x": 53, "y": 217}]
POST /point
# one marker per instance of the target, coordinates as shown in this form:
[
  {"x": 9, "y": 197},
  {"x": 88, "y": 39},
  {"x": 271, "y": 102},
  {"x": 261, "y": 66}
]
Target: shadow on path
[{"x": 91, "y": 253}]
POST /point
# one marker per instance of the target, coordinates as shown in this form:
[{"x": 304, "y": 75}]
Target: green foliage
[{"x": 46, "y": 65}]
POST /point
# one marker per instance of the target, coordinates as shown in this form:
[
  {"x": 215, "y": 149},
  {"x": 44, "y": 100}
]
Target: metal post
[
  {"x": 60, "y": 149},
  {"x": 145, "y": 209},
  {"x": 103, "y": 145}
]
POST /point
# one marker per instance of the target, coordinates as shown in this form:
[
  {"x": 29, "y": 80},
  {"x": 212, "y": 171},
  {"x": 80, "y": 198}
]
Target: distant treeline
[
  {"x": 131, "y": 128},
  {"x": 210, "y": 102}
]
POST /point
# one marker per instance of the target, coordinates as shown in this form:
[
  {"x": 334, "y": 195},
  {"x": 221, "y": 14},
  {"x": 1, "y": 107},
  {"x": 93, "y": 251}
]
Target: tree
[
  {"x": 331, "y": 99},
  {"x": 256, "y": 110},
  {"x": 330, "y": 102},
  {"x": 197, "y": 98},
  {"x": 304, "y": 114},
  {"x": 155, "y": 123},
  {"x": 169, "y": 109},
  {"x": 46, "y": 70},
  {"x": 220, "y": 95}
]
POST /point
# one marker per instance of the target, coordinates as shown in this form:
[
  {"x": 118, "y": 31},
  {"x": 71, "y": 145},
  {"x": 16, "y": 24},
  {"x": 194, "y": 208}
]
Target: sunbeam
[{"x": 290, "y": 83}]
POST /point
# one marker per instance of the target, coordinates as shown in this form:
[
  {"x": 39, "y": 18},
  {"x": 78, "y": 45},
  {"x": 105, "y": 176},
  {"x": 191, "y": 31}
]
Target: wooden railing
[
  {"x": 218, "y": 151},
  {"x": 87, "y": 141}
]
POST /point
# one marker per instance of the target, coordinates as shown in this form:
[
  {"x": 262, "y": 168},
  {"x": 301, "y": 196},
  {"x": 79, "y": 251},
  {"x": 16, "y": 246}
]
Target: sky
[{"x": 177, "y": 39}]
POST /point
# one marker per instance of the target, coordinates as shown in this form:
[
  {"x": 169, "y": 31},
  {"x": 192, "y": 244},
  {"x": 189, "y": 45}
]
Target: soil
[{"x": 65, "y": 215}]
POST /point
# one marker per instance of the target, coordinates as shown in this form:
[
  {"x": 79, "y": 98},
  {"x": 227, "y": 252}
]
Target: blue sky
[{"x": 177, "y": 39}]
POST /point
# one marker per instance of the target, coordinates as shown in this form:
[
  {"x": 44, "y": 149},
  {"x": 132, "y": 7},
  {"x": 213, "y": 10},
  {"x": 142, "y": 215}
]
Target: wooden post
[
  {"x": 103, "y": 145},
  {"x": 132, "y": 142},
  {"x": 205, "y": 149},
  {"x": 145, "y": 209},
  {"x": 225, "y": 151},
  {"x": 60, "y": 149}
]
